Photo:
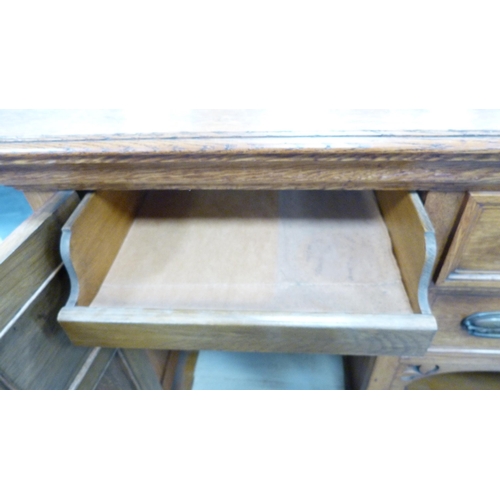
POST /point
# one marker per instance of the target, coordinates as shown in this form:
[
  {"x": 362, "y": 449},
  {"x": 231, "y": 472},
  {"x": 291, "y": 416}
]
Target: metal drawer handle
[{"x": 483, "y": 324}]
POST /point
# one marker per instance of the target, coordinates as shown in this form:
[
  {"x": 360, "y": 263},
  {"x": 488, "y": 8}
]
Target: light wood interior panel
[
  {"x": 92, "y": 237},
  {"x": 413, "y": 242},
  {"x": 321, "y": 251},
  {"x": 37, "y": 199}
]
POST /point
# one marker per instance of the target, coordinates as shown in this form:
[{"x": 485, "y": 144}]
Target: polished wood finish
[
  {"x": 250, "y": 149},
  {"x": 92, "y": 236},
  {"x": 265, "y": 271},
  {"x": 111, "y": 369},
  {"x": 35, "y": 353},
  {"x": 30, "y": 255},
  {"x": 444, "y": 210},
  {"x": 38, "y": 199},
  {"x": 171, "y": 365},
  {"x": 470, "y": 243},
  {"x": 473, "y": 259},
  {"x": 115, "y": 369},
  {"x": 447, "y": 152},
  {"x": 383, "y": 373},
  {"x": 334, "y": 334},
  {"x": 179, "y": 374},
  {"x": 95, "y": 366},
  {"x": 460, "y": 381},
  {"x": 401, "y": 373},
  {"x": 159, "y": 360},
  {"x": 451, "y": 307},
  {"x": 414, "y": 243},
  {"x": 116, "y": 376},
  {"x": 139, "y": 368}
]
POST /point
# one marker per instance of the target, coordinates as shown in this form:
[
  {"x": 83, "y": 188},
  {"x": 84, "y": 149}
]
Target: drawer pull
[{"x": 483, "y": 324}]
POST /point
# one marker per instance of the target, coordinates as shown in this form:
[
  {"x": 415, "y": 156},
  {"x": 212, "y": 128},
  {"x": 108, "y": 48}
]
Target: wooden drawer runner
[{"x": 295, "y": 271}]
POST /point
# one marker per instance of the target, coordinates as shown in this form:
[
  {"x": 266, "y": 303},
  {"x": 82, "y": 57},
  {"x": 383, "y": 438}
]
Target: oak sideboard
[{"x": 373, "y": 234}]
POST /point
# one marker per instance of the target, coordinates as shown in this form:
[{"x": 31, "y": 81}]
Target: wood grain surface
[
  {"x": 472, "y": 381},
  {"x": 257, "y": 149},
  {"x": 413, "y": 242},
  {"x": 293, "y": 251},
  {"x": 453, "y": 349},
  {"x": 35, "y": 353},
  {"x": 413, "y": 369},
  {"x": 388, "y": 372},
  {"x": 258, "y": 332},
  {"x": 450, "y": 308},
  {"x": 93, "y": 369},
  {"x": 30, "y": 254},
  {"x": 250, "y": 271},
  {"x": 92, "y": 237},
  {"x": 139, "y": 368},
  {"x": 38, "y": 199},
  {"x": 444, "y": 211},
  {"x": 473, "y": 258}
]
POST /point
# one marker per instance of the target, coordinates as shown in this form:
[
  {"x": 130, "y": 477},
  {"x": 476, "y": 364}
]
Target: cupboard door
[{"x": 35, "y": 353}]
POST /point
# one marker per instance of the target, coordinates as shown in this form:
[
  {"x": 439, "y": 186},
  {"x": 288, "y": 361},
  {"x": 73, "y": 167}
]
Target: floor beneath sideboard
[{"x": 215, "y": 370}]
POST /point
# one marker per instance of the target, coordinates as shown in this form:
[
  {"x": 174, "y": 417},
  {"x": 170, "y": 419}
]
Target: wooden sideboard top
[{"x": 250, "y": 149}]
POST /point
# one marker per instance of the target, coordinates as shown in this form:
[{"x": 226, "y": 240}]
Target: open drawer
[{"x": 271, "y": 271}]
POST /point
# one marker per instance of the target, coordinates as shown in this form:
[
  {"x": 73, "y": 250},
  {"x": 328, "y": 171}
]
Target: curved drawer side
[
  {"x": 92, "y": 237},
  {"x": 414, "y": 243}
]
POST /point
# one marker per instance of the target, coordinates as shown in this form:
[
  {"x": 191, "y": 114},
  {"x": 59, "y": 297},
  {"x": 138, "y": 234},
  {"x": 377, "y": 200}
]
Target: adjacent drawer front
[
  {"x": 251, "y": 271},
  {"x": 450, "y": 309},
  {"x": 473, "y": 259}
]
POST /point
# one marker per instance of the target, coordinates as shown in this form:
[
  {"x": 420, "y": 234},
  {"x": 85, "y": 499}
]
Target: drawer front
[
  {"x": 293, "y": 333},
  {"x": 473, "y": 259},
  {"x": 451, "y": 308},
  {"x": 251, "y": 271}
]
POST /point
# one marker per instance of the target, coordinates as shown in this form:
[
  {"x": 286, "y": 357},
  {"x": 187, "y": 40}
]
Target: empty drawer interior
[
  {"x": 272, "y": 252},
  {"x": 293, "y": 251}
]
